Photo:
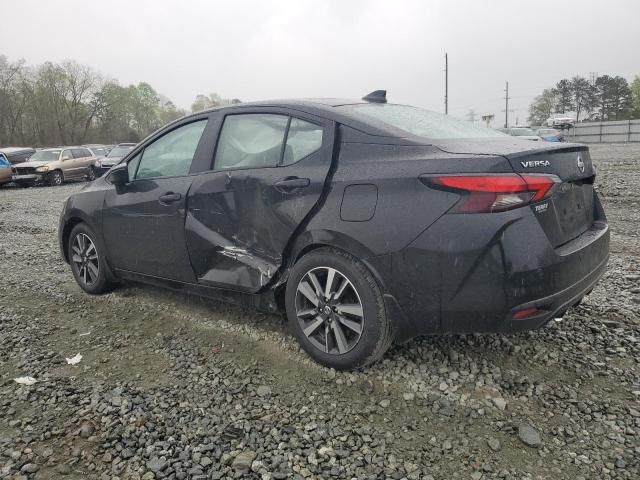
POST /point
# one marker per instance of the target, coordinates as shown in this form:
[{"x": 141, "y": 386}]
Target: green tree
[
  {"x": 583, "y": 95},
  {"x": 635, "y": 93},
  {"x": 614, "y": 98},
  {"x": 564, "y": 96},
  {"x": 203, "y": 102},
  {"x": 70, "y": 103},
  {"x": 542, "y": 107}
]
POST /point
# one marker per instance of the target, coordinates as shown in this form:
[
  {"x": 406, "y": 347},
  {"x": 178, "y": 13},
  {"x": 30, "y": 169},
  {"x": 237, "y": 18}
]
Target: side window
[
  {"x": 132, "y": 166},
  {"x": 78, "y": 152},
  {"x": 303, "y": 139},
  {"x": 252, "y": 140},
  {"x": 66, "y": 155},
  {"x": 86, "y": 152},
  {"x": 171, "y": 154}
]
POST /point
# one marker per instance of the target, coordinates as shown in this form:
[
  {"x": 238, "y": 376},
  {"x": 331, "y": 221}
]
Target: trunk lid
[{"x": 569, "y": 212}]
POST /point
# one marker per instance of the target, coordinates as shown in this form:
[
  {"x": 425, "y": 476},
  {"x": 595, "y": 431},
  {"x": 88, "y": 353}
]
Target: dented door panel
[{"x": 239, "y": 225}]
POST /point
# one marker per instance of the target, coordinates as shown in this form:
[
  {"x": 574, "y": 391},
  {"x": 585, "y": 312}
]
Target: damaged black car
[{"x": 366, "y": 222}]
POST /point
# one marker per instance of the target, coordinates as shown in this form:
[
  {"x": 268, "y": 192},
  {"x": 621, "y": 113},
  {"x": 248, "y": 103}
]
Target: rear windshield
[
  {"x": 45, "y": 156},
  {"x": 522, "y": 132},
  {"x": 420, "y": 122},
  {"x": 120, "y": 151}
]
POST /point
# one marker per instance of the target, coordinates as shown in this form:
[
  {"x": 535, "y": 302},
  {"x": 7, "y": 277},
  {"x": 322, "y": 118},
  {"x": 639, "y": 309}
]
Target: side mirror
[{"x": 119, "y": 175}]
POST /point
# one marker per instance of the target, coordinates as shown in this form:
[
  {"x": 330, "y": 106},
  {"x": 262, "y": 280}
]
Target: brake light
[
  {"x": 494, "y": 193},
  {"x": 526, "y": 313}
]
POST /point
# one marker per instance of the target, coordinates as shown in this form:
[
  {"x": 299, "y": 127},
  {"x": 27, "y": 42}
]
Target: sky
[{"x": 259, "y": 50}]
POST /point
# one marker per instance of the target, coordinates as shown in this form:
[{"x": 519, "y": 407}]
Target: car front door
[
  {"x": 143, "y": 221},
  {"x": 67, "y": 160},
  {"x": 269, "y": 172}
]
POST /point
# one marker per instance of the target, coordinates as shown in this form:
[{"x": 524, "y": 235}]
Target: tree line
[
  {"x": 604, "y": 98},
  {"x": 69, "y": 103}
]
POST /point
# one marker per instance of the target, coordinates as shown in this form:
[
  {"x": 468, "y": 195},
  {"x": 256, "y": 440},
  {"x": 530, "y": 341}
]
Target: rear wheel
[
  {"x": 91, "y": 176},
  {"x": 336, "y": 311},
  {"x": 55, "y": 178},
  {"x": 87, "y": 261}
]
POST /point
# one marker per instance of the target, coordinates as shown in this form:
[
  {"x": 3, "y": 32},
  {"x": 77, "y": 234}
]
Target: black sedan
[{"x": 368, "y": 223}]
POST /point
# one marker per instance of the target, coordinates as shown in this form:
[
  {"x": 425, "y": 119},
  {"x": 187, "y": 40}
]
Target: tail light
[{"x": 494, "y": 193}]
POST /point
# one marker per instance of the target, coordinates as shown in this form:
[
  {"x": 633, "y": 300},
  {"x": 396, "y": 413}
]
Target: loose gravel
[{"x": 178, "y": 387}]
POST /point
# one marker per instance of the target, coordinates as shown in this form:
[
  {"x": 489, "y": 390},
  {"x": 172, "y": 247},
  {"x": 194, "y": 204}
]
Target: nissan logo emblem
[{"x": 580, "y": 164}]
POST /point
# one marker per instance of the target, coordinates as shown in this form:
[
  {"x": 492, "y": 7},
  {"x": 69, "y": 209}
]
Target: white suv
[{"x": 560, "y": 120}]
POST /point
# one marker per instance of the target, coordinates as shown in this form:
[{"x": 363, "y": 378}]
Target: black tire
[
  {"x": 375, "y": 336},
  {"x": 94, "y": 280},
  {"x": 91, "y": 176},
  {"x": 55, "y": 178}
]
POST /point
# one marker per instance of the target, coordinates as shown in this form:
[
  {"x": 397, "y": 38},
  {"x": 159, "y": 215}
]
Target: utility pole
[
  {"x": 506, "y": 106},
  {"x": 446, "y": 84},
  {"x": 471, "y": 115}
]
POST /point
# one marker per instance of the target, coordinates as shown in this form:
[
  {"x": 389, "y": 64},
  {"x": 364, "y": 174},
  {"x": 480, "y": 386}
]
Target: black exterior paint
[{"x": 233, "y": 235}]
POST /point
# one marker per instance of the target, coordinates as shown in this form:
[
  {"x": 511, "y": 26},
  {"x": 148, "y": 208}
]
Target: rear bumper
[{"x": 471, "y": 273}]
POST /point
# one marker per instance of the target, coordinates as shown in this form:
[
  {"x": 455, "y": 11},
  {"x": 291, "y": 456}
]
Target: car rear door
[
  {"x": 143, "y": 221},
  {"x": 269, "y": 172}
]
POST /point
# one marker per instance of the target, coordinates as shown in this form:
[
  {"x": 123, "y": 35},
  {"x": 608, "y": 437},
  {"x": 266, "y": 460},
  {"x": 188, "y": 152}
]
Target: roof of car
[
  {"x": 326, "y": 104},
  {"x": 7, "y": 150},
  {"x": 322, "y": 107}
]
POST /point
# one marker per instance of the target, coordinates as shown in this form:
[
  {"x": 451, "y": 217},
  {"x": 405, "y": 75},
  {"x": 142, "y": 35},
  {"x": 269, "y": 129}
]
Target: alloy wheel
[
  {"x": 85, "y": 259},
  {"x": 92, "y": 174},
  {"x": 56, "y": 178},
  {"x": 329, "y": 310}
]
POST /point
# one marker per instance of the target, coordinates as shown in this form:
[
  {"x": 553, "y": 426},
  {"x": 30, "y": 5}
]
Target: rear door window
[
  {"x": 303, "y": 139},
  {"x": 252, "y": 140},
  {"x": 171, "y": 154}
]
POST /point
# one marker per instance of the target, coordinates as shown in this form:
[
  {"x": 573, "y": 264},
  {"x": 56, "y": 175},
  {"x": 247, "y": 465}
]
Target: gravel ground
[{"x": 171, "y": 386}]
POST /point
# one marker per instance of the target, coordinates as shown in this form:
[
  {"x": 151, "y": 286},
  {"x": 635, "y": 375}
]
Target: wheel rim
[
  {"x": 329, "y": 310},
  {"x": 85, "y": 259},
  {"x": 57, "y": 178},
  {"x": 92, "y": 174}
]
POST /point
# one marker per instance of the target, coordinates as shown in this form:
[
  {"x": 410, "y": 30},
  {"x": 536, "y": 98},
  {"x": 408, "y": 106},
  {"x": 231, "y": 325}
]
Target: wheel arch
[
  {"x": 74, "y": 218},
  {"x": 310, "y": 241}
]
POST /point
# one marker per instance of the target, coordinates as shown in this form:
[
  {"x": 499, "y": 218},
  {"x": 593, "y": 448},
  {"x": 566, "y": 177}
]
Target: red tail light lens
[{"x": 494, "y": 193}]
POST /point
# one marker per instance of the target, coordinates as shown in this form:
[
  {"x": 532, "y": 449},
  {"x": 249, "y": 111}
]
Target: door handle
[
  {"x": 287, "y": 185},
  {"x": 169, "y": 197}
]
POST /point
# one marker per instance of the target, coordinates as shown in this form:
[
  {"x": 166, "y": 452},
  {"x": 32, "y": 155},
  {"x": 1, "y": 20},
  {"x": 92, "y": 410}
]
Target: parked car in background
[
  {"x": 114, "y": 156},
  {"x": 524, "y": 133},
  {"x": 560, "y": 120},
  {"x": 368, "y": 223},
  {"x": 98, "y": 151},
  {"x": 550, "y": 135},
  {"x": 5, "y": 170},
  {"x": 17, "y": 154},
  {"x": 54, "y": 166}
]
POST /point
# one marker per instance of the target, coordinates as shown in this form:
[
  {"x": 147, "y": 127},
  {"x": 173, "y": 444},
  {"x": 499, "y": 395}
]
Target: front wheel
[
  {"x": 336, "y": 310},
  {"x": 87, "y": 261},
  {"x": 55, "y": 178}
]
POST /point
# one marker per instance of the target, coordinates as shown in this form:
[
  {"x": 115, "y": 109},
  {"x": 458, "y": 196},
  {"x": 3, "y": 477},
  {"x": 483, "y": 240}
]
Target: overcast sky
[{"x": 256, "y": 50}]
